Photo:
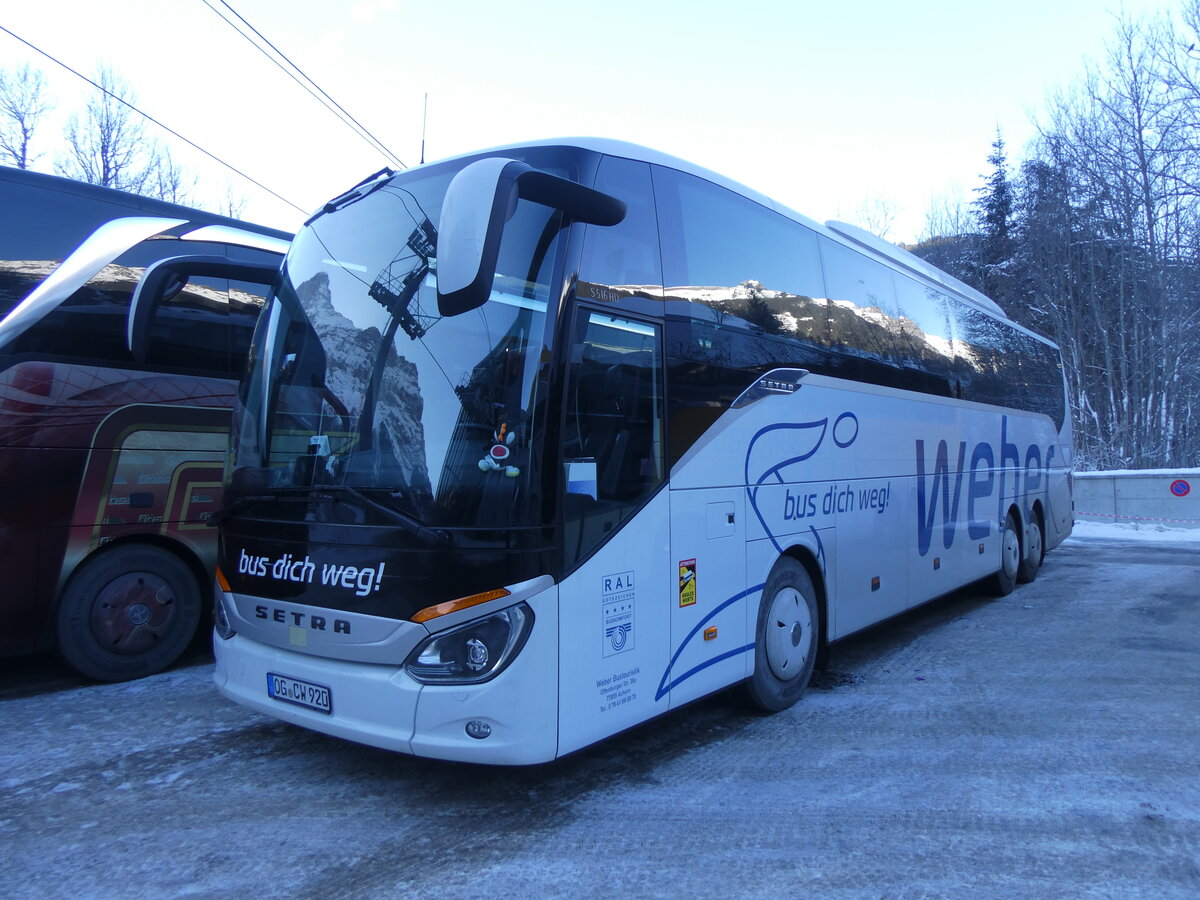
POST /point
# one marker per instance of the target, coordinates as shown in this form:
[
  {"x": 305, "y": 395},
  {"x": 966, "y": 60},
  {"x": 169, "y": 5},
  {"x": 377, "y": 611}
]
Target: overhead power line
[
  {"x": 150, "y": 118},
  {"x": 292, "y": 70}
]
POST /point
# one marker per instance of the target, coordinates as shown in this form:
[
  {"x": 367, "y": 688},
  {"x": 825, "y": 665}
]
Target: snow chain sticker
[{"x": 687, "y": 582}]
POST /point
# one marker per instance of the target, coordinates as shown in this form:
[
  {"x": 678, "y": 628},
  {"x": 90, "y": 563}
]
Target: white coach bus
[{"x": 541, "y": 442}]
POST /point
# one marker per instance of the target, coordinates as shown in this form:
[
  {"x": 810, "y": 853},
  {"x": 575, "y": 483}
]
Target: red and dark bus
[{"x": 114, "y": 419}]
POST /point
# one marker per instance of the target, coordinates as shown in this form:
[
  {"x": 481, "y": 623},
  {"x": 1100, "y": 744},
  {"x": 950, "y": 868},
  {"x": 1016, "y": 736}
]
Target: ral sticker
[
  {"x": 1181, "y": 488},
  {"x": 616, "y": 598},
  {"x": 687, "y": 582}
]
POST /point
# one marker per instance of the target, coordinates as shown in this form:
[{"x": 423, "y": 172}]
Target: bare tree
[
  {"x": 22, "y": 104},
  {"x": 165, "y": 178},
  {"x": 951, "y": 240},
  {"x": 877, "y": 214},
  {"x": 1123, "y": 145},
  {"x": 233, "y": 205},
  {"x": 1106, "y": 244},
  {"x": 108, "y": 146},
  {"x": 104, "y": 147}
]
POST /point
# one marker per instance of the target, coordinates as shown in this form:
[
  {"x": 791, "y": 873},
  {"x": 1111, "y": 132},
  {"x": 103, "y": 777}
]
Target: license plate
[{"x": 301, "y": 693}]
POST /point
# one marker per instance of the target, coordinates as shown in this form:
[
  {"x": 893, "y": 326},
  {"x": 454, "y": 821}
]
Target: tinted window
[
  {"x": 613, "y": 441},
  {"x": 622, "y": 261},
  {"x": 924, "y": 339},
  {"x": 863, "y": 316},
  {"x": 997, "y": 364},
  {"x": 744, "y": 295},
  {"x": 980, "y": 346},
  {"x": 739, "y": 258},
  {"x": 38, "y": 228}
]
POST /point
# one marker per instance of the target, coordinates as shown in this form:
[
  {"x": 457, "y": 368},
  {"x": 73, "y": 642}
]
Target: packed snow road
[{"x": 1042, "y": 744}]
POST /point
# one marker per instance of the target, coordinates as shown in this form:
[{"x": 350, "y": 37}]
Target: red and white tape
[{"x": 1079, "y": 513}]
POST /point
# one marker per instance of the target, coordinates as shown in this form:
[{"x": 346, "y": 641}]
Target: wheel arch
[
  {"x": 1037, "y": 509},
  {"x": 808, "y": 559},
  {"x": 188, "y": 555},
  {"x": 1022, "y": 520}
]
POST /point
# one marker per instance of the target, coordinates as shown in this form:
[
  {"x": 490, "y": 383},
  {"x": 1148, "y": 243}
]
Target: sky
[{"x": 838, "y": 110}]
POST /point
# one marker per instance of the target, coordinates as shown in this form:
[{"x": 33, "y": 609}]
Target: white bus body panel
[
  {"x": 710, "y": 644},
  {"x": 898, "y": 497},
  {"x": 615, "y": 627}
]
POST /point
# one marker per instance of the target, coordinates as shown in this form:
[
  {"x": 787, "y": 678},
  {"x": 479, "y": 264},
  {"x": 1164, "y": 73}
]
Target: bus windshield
[{"x": 356, "y": 383}]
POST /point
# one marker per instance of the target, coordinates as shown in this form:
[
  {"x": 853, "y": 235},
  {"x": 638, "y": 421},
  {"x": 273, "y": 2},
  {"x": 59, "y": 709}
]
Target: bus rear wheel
[
  {"x": 786, "y": 639},
  {"x": 128, "y": 612},
  {"x": 1010, "y": 558},
  {"x": 1035, "y": 551}
]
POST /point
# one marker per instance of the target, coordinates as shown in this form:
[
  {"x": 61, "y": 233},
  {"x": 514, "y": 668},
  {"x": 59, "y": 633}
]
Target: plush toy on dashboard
[{"x": 494, "y": 459}]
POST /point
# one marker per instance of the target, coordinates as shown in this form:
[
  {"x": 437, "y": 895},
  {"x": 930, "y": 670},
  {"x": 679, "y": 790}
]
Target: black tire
[
  {"x": 1005, "y": 579},
  {"x": 786, "y": 639},
  {"x": 1034, "y": 551},
  {"x": 128, "y": 612}
]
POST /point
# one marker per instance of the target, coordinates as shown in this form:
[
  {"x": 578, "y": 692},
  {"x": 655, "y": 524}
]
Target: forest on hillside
[{"x": 1093, "y": 239}]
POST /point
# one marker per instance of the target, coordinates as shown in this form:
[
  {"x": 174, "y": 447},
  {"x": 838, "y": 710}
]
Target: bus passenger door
[
  {"x": 614, "y": 624},
  {"x": 709, "y": 644}
]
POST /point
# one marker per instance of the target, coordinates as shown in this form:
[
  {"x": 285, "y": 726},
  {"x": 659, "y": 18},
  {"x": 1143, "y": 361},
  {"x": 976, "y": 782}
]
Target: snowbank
[{"x": 1133, "y": 531}]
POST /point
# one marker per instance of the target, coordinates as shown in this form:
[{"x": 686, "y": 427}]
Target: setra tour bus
[
  {"x": 114, "y": 415},
  {"x": 542, "y": 442}
]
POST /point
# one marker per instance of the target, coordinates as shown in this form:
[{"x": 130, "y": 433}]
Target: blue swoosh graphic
[
  {"x": 663, "y": 686},
  {"x": 752, "y": 492}
]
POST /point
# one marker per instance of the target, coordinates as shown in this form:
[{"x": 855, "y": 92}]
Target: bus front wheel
[
  {"x": 785, "y": 641},
  {"x": 128, "y": 612}
]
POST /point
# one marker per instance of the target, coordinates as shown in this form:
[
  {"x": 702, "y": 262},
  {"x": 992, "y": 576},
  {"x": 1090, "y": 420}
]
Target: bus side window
[
  {"x": 924, "y": 340},
  {"x": 623, "y": 260},
  {"x": 613, "y": 441},
  {"x": 864, "y": 316}
]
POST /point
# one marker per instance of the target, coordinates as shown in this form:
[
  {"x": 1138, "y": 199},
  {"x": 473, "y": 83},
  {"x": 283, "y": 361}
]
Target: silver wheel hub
[
  {"x": 1010, "y": 552},
  {"x": 139, "y": 614},
  {"x": 788, "y": 634},
  {"x": 1035, "y": 544}
]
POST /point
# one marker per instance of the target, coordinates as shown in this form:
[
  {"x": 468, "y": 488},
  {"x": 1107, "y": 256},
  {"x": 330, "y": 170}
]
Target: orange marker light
[
  {"x": 444, "y": 609},
  {"x": 222, "y": 581},
  {"x": 710, "y": 633}
]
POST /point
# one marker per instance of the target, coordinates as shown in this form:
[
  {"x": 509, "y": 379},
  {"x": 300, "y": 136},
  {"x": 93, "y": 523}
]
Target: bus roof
[
  {"x": 146, "y": 205},
  {"x": 851, "y": 236}
]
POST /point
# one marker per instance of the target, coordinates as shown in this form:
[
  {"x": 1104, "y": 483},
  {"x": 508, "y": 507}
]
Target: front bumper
[{"x": 382, "y": 706}]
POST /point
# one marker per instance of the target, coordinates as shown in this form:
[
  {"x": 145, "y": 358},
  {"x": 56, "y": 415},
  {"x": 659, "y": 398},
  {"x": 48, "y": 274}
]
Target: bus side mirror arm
[
  {"x": 479, "y": 201},
  {"x": 167, "y": 277}
]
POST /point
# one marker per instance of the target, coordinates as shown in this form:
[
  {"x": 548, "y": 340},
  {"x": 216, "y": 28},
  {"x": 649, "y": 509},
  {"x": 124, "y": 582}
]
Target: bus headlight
[
  {"x": 221, "y": 623},
  {"x": 472, "y": 653}
]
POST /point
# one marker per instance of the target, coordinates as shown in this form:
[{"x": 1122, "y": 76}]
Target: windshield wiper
[
  {"x": 354, "y": 194},
  {"x": 229, "y": 509},
  {"x": 434, "y": 537}
]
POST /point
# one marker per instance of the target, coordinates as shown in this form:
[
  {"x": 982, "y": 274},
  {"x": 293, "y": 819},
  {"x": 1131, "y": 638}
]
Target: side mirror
[
  {"x": 479, "y": 201},
  {"x": 167, "y": 277}
]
